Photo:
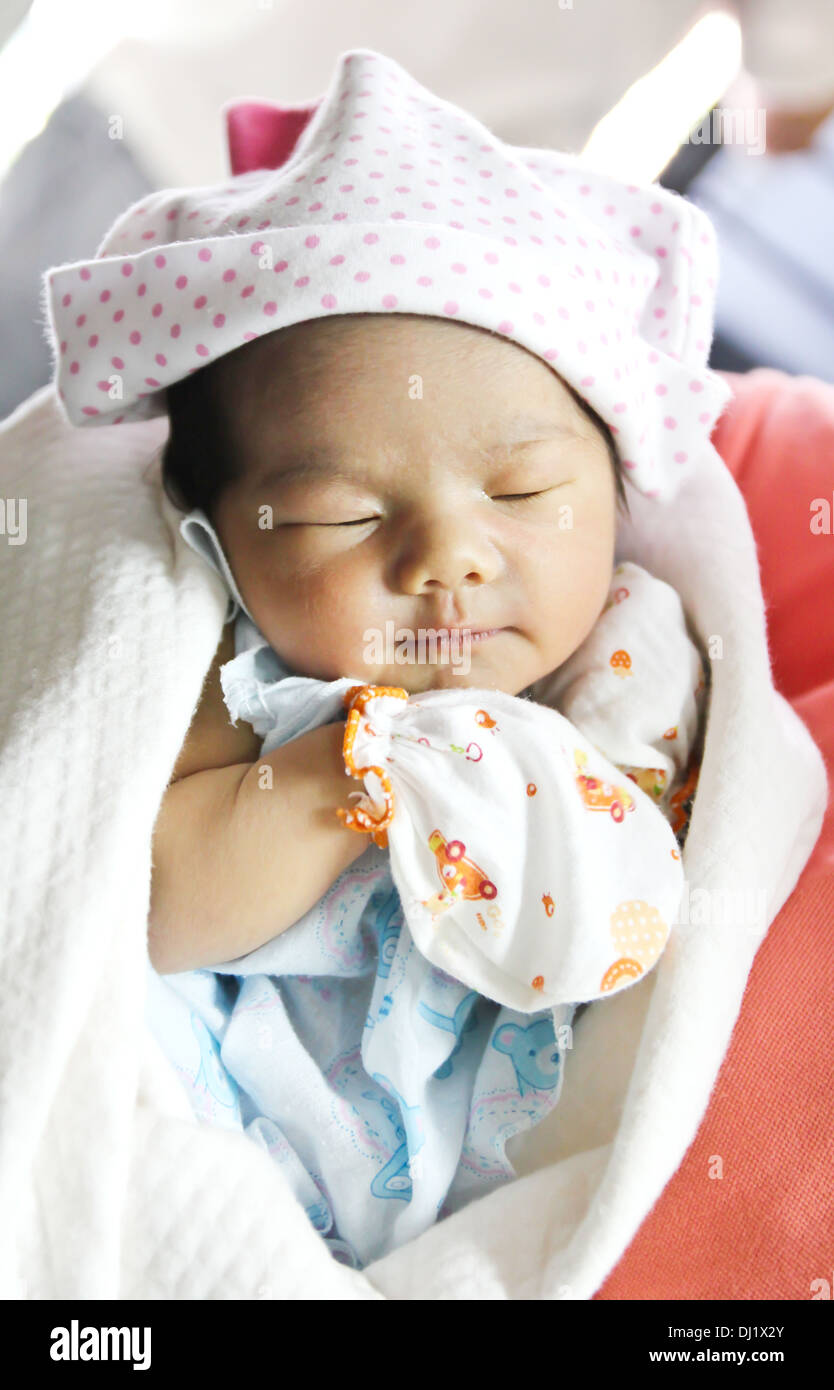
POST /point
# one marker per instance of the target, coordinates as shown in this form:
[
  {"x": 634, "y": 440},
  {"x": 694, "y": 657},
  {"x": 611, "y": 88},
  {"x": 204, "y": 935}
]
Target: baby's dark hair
[
  {"x": 200, "y": 461},
  {"x": 622, "y": 499}
]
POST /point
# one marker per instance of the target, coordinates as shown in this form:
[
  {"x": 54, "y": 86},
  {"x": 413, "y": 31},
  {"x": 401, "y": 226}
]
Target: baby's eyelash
[
  {"x": 506, "y": 497},
  {"x": 521, "y": 496}
]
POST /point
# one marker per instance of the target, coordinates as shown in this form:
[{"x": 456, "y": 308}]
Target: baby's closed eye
[{"x": 500, "y": 497}]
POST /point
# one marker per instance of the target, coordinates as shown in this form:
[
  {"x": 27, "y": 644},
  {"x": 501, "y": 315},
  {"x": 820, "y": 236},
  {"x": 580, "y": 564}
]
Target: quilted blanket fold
[{"x": 111, "y": 622}]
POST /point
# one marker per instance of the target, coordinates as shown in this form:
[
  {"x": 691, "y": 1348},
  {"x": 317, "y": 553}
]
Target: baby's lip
[{"x": 465, "y": 627}]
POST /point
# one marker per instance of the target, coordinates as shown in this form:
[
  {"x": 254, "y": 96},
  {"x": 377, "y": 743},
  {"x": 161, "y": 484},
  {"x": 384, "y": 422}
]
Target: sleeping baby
[
  {"x": 386, "y": 875},
  {"x": 443, "y": 513}
]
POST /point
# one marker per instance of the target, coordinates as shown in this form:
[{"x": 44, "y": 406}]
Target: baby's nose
[{"x": 444, "y": 552}]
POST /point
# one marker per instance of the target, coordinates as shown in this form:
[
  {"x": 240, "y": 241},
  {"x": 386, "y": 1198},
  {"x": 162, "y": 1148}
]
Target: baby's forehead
[
  {"x": 345, "y": 386},
  {"x": 344, "y": 355},
  {"x": 361, "y": 337}
]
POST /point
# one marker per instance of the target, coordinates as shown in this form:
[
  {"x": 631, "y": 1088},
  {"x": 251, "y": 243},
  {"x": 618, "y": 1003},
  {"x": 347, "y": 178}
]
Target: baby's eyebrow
[
  {"x": 325, "y": 461},
  {"x": 531, "y": 429},
  {"x": 310, "y": 463}
]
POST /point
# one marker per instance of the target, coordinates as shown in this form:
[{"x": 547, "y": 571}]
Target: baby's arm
[{"x": 234, "y": 863}]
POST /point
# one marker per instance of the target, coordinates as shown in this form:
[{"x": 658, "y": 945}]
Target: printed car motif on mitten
[
  {"x": 460, "y": 877},
  {"x": 651, "y": 780},
  {"x": 601, "y": 796}
]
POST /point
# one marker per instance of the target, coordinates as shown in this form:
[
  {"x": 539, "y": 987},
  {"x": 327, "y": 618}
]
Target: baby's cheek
[
  {"x": 332, "y": 627},
  {"x": 592, "y": 540},
  {"x": 574, "y": 580}
]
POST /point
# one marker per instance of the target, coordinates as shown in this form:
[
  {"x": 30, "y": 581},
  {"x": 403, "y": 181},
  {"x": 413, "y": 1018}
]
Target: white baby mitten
[{"x": 528, "y": 867}]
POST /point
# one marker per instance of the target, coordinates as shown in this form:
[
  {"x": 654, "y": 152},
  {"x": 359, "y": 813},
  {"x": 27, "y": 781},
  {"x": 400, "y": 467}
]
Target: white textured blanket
[{"x": 110, "y": 623}]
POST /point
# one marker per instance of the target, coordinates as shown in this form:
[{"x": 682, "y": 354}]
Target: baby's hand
[{"x": 240, "y": 853}]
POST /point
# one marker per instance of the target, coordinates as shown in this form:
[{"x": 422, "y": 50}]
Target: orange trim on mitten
[{"x": 358, "y": 818}]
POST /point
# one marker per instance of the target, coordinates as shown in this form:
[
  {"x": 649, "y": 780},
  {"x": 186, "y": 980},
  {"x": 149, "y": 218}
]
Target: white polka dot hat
[{"x": 381, "y": 197}]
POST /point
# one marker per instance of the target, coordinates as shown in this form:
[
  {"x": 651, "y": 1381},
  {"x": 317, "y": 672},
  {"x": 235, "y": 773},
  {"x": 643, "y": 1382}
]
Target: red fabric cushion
[
  {"x": 766, "y": 1228},
  {"x": 777, "y": 439},
  {"x": 262, "y": 135}
]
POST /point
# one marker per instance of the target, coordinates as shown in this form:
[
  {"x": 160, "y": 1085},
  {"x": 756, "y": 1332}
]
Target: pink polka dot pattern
[{"x": 392, "y": 203}]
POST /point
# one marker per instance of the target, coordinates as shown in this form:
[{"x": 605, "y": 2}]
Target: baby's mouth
[{"x": 472, "y": 634}]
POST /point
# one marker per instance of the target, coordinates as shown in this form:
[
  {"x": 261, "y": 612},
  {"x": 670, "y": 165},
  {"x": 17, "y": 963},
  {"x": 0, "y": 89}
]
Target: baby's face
[{"x": 392, "y": 453}]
